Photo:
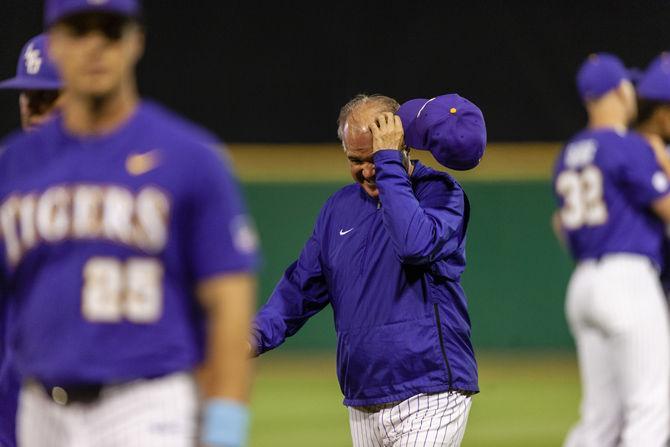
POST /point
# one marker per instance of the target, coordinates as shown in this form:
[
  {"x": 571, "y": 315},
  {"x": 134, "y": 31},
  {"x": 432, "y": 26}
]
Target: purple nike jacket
[{"x": 391, "y": 270}]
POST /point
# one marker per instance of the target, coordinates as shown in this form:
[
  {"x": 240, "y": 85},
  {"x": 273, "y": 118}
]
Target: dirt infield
[{"x": 325, "y": 162}]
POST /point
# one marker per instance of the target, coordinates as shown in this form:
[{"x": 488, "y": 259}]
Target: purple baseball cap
[
  {"x": 655, "y": 82},
  {"x": 600, "y": 73},
  {"x": 449, "y": 126},
  {"x": 35, "y": 71},
  {"x": 57, "y": 10}
]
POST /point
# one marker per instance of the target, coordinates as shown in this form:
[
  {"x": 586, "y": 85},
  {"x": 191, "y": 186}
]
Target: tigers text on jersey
[
  {"x": 605, "y": 182},
  {"x": 102, "y": 241}
]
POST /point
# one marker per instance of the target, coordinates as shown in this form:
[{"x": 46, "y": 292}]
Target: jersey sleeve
[
  {"x": 643, "y": 179},
  {"x": 301, "y": 293},
  {"x": 220, "y": 235},
  {"x": 421, "y": 232}
]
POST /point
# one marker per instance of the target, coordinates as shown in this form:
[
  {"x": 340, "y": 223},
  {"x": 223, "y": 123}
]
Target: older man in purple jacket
[{"x": 388, "y": 253}]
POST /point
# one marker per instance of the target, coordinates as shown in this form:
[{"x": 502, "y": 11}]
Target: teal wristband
[{"x": 225, "y": 423}]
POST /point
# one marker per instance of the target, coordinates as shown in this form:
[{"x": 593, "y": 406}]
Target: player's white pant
[
  {"x": 426, "y": 420},
  {"x": 147, "y": 413},
  {"x": 619, "y": 318}
]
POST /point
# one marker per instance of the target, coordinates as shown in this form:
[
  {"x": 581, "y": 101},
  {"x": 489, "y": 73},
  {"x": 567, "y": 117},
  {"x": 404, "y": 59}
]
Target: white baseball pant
[
  {"x": 158, "y": 412},
  {"x": 618, "y": 316},
  {"x": 426, "y": 420}
]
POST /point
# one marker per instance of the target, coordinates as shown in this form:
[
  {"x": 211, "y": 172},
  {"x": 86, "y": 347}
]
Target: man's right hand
[{"x": 387, "y": 132}]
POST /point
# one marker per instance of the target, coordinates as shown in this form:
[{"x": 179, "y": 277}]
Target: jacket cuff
[{"x": 385, "y": 155}]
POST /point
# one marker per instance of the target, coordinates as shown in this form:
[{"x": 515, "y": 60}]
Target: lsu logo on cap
[
  {"x": 97, "y": 2},
  {"x": 33, "y": 60}
]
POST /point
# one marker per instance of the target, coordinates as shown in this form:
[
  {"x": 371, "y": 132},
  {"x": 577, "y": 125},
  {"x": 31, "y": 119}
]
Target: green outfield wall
[{"x": 516, "y": 274}]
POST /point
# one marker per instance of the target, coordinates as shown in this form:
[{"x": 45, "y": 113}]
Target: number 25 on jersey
[
  {"x": 583, "y": 202},
  {"x": 115, "y": 291}
]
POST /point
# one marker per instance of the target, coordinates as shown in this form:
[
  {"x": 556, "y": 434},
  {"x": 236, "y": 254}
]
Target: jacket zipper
[
  {"x": 367, "y": 240},
  {"x": 442, "y": 350}
]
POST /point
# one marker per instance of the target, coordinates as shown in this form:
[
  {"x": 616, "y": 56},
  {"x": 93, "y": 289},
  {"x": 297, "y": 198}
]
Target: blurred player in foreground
[
  {"x": 37, "y": 80},
  {"x": 387, "y": 253},
  {"x": 610, "y": 190},
  {"x": 114, "y": 220}
]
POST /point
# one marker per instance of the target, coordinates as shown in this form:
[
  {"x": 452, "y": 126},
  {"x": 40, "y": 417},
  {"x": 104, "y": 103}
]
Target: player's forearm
[
  {"x": 417, "y": 236},
  {"x": 664, "y": 162},
  {"x": 229, "y": 302},
  {"x": 299, "y": 295},
  {"x": 558, "y": 229}
]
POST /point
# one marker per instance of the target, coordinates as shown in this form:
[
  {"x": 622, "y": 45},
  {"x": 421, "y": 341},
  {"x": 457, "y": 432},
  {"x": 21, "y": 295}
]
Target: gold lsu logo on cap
[
  {"x": 97, "y": 2},
  {"x": 138, "y": 164}
]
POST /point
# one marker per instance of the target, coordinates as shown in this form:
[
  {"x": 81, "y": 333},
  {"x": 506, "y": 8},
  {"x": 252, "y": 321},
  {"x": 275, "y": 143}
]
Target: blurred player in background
[
  {"x": 653, "y": 122},
  {"x": 387, "y": 253},
  {"x": 37, "y": 81},
  {"x": 610, "y": 190},
  {"x": 126, "y": 255},
  {"x": 40, "y": 94}
]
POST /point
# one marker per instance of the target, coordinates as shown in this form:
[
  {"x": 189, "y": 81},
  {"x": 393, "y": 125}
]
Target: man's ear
[
  {"x": 621, "y": 92},
  {"x": 662, "y": 117},
  {"x": 139, "y": 44}
]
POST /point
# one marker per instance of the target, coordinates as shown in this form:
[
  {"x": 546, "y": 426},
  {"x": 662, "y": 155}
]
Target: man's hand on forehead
[{"x": 387, "y": 132}]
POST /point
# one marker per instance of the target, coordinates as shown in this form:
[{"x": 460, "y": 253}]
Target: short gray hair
[{"x": 385, "y": 104}]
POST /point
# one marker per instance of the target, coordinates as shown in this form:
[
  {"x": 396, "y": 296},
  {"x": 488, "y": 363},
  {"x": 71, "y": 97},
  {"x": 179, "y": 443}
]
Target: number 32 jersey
[
  {"x": 103, "y": 241},
  {"x": 605, "y": 182}
]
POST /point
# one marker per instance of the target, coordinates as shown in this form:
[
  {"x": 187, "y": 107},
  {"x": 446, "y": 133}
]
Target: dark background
[{"x": 279, "y": 71}]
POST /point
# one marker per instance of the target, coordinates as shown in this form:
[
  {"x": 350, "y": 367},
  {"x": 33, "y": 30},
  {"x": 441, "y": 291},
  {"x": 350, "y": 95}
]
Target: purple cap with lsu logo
[
  {"x": 449, "y": 126},
  {"x": 57, "y": 10},
  {"x": 600, "y": 73},
  {"x": 655, "y": 82},
  {"x": 35, "y": 71}
]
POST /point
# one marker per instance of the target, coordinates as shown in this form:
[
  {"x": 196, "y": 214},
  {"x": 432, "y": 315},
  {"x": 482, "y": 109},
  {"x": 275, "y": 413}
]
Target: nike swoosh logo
[
  {"x": 138, "y": 164},
  {"x": 342, "y": 232}
]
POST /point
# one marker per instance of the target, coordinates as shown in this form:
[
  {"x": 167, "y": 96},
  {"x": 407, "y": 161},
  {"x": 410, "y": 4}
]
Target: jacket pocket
[{"x": 390, "y": 359}]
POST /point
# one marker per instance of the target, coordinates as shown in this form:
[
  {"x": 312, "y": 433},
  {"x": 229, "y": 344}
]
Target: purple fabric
[
  {"x": 35, "y": 70},
  {"x": 9, "y": 396},
  {"x": 392, "y": 275},
  {"x": 599, "y": 74},
  {"x": 655, "y": 81},
  {"x": 56, "y": 10},
  {"x": 9, "y": 387}
]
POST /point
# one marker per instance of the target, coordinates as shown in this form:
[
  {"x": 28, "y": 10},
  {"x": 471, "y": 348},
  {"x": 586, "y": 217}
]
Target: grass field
[{"x": 527, "y": 400}]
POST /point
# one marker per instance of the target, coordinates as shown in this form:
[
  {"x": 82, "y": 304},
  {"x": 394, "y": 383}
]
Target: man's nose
[
  {"x": 368, "y": 170},
  {"x": 95, "y": 40}
]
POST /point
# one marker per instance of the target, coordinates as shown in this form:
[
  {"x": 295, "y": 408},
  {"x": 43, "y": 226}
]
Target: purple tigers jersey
[
  {"x": 103, "y": 241},
  {"x": 605, "y": 182}
]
